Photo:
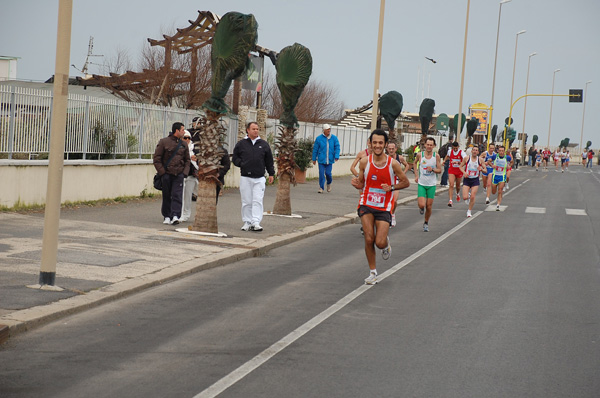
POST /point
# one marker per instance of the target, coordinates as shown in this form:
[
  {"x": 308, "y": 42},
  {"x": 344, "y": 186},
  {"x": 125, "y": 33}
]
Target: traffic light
[{"x": 578, "y": 93}]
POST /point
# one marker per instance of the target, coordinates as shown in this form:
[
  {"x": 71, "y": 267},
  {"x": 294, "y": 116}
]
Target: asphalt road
[{"x": 504, "y": 304}]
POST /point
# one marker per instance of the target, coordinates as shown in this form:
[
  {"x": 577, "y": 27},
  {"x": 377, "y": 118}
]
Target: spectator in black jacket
[
  {"x": 173, "y": 151},
  {"x": 253, "y": 156}
]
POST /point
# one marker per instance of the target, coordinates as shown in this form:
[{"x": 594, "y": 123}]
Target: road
[{"x": 504, "y": 304}]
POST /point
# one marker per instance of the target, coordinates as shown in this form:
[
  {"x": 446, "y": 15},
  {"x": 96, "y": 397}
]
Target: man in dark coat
[{"x": 173, "y": 151}]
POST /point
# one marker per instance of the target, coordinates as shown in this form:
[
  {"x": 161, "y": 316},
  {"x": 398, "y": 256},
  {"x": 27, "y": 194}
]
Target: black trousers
[{"x": 172, "y": 195}]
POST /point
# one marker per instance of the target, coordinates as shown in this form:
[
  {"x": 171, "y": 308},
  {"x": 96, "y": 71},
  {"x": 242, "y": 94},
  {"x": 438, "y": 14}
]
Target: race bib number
[
  {"x": 376, "y": 197},
  {"x": 472, "y": 173},
  {"x": 498, "y": 168},
  {"x": 455, "y": 162}
]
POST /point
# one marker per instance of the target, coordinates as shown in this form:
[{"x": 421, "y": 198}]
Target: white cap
[
  {"x": 326, "y": 127},
  {"x": 187, "y": 134}
]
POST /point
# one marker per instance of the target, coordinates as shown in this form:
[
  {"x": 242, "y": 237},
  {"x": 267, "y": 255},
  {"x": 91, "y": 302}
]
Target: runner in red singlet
[{"x": 376, "y": 180}]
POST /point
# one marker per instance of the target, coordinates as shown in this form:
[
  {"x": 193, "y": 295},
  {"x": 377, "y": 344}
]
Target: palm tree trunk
[
  {"x": 206, "y": 208},
  {"x": 286, "y": 147},
  {"x": 209, "y": 158},
  {"x": 283, "y": 202}
]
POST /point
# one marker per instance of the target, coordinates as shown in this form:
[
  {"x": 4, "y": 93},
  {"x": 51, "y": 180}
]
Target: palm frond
[
  {"x": 294, "y": 67},
  {"x": 235, "y": 36},
  {"x": 390, "y": 106}
]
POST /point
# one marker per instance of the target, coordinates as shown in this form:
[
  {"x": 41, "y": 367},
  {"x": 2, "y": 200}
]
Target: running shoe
[
  {"x": 387, "y": 252},
  {"x": 450, "y": 203},
  {"x": 468, "y": 213},
  {"x": 506, "y": 186},
  {"x": 167, "y": 220},
  {"x": 256, "y": 227},
  {"x": 487, "y": 201},
  {"x": 425, "y": 227},
  {"x": 372, "y": 279},
  {"x": 497, "y": 207},
  {"x": 421, "y": 211},
  {"x": 457, "y": 197},
  {"x": 246, "y": 226},
  {"x": 175, "y": 220}
]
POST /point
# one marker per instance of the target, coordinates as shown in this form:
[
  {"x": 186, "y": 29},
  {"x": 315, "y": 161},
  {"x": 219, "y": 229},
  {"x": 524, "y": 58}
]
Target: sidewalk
[{"x": 110, "y": 251}]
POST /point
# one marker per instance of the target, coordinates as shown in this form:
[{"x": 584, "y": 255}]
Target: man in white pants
[
  {"x": 190, "y": 184},
  {"x": 253, "y": 156}
]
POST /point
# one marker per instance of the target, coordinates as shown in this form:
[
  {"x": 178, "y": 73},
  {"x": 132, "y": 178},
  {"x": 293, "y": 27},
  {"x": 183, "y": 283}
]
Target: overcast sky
[{"x": 342, "y": 37}]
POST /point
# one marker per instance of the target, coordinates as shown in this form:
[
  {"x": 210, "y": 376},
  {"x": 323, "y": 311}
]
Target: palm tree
[
  {"x": 235, "y": 36},
  {"x": 390, "y": 106},
  {"x": 471, "y": 128},
  {"x": 294, "y": 67},
  {"x": 425, "y": 115}
]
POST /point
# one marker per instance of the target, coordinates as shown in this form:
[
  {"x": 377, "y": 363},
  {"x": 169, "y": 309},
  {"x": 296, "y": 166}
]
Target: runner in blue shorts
[
  {"x": 500, "y": 166},
  {"x": 490, "y": 154}
]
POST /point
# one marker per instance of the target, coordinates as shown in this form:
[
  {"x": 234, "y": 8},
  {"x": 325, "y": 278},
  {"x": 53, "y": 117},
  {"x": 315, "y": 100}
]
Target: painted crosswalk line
[
  {"x": 576, "y": 212},
  {"x": 535, "y": 210}
]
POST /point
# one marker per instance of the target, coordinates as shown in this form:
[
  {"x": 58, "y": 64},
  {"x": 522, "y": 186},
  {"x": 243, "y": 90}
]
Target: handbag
[{"x": 158, "y": 184}]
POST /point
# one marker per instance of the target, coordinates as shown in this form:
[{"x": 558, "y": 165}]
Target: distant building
[{"x": 8, "y": 67}]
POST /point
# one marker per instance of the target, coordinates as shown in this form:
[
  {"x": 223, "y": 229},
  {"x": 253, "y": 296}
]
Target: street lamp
[
  {"x": 458, "y": 123},
  {"x": 377, "y": 67},
  {"x": 495, "y": 62},
  {"x": 525, "y": 108},
  {"x": 513, "y": 82},
  {"x": 551, "y": 102},
  {"x": 583, "y": 117}
]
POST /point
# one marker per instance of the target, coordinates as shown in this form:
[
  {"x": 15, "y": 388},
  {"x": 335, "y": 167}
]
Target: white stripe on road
[{"x": 241, "y": 372}]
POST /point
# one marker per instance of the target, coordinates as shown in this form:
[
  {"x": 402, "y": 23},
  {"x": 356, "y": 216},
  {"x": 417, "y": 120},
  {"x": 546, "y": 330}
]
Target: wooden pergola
[{"x": 162, "y": 85}]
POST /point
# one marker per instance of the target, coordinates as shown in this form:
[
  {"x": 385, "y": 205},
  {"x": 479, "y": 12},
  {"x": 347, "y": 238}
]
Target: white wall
[{"x": 24, "y": 182}]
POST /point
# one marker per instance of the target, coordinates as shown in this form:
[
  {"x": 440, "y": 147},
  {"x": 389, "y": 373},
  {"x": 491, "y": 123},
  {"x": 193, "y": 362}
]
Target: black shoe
[{"x": 194, "y": 197}]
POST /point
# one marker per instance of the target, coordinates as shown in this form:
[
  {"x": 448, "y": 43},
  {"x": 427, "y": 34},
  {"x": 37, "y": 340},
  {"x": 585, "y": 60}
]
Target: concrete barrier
[{"x": 25, "y": 181}]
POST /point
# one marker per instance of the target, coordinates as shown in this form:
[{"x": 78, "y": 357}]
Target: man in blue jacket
[{"x": 326, "y": 151}]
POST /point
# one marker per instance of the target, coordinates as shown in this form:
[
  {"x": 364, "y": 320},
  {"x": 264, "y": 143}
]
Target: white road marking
[
  {"x": 535, "y": 210},
  {"x": 241, "y": 372},
  {"x": 576, "y": 212}
]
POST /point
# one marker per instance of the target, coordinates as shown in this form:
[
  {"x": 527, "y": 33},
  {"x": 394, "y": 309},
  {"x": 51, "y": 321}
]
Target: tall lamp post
[
  {"x": 458, "y": 123},
  {"x": 583, "y": 117},
  {"x": 375, "y": 108},
  {"x": 525, "y": 108},
  {"x": 512, "y": 89},
  {"x": 495, "y": 62},
  {"x": 551, "y": 102}
]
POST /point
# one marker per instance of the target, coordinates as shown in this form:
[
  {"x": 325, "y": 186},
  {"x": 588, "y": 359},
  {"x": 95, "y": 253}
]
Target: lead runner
[{"x": 375, "y": 178}]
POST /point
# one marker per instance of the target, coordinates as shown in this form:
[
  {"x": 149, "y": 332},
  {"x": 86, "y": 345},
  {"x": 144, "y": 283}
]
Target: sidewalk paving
[{"x": 110, "y": 251}]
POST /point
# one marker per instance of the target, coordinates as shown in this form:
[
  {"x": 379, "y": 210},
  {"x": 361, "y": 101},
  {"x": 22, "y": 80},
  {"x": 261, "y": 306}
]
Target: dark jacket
[
  {"x": 180, "y": 162},
  {"x": 225, "y": 165},
  {"x": 253, "y": 159}
]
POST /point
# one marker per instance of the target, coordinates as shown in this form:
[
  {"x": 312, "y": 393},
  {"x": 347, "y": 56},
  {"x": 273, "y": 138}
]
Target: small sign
[{"x": 578, "y": 93}]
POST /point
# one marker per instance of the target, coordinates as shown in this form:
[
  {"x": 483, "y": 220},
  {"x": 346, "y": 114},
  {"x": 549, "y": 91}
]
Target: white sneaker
[
  {"x": 246, "y": 226},
  {"x": 328, "y": 187},
  {"x": 372, "y": 279},
  {"x": 497, "y": 207},
  {"x": 425, "y": 227},
  {"x": 167, "y": 220},
  {"x": 175, "y": 220},
  {"x": 387, "y": 252},
  {"x": 450, "y": 203},
  {"x": 256, "y": 227},
  {"x": 487, "y": 201},
  {"x": 468, "y": 213}
]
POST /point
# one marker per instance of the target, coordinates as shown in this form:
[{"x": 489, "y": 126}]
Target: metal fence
[{"x": 98, "y": 127}]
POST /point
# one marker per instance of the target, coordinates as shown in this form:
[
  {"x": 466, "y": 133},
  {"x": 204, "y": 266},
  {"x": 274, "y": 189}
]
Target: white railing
[{"x": 98, "y": 127}]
